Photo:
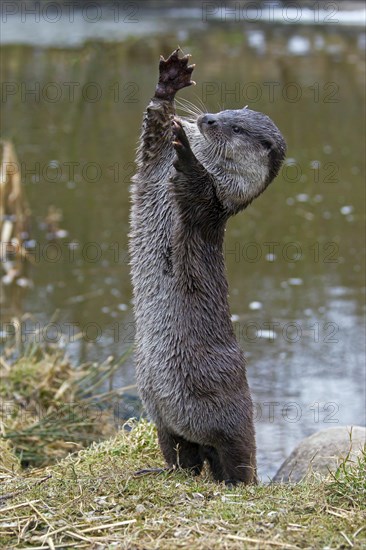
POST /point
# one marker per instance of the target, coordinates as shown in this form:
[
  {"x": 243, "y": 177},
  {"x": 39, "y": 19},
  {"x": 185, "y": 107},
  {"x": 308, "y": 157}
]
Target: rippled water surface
[{"x": 72, "y": 104}]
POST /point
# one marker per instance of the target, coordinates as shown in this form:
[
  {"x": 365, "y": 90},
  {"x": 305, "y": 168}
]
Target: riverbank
[
  {"x": 67, "y": 478},
  {"x": 52, "y": 496},
  {"x": 91, "y": 499}
]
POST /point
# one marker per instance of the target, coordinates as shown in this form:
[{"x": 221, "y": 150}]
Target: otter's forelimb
[
  {"x": 155, "y": 142},
  {"x": 174, "y": 74},
  {"x": 194, "y": 188}
]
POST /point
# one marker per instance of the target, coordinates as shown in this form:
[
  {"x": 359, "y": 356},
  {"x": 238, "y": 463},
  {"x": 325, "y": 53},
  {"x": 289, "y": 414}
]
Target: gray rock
[{"x": 321, "y": 452}]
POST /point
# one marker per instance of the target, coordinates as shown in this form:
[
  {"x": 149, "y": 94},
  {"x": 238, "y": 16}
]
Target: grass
[
  {"x": 93, "y": 499},
  {"x": 349, "y": 485},
  {"x": 50, "y": 408}
]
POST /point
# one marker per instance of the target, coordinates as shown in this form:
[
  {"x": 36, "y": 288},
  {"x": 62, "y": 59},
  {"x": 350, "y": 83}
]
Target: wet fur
[{"x": 190, "y": 369}]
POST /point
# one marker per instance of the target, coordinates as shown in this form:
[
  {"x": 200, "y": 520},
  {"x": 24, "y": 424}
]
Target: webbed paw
[{"x": 174, "y": 74}]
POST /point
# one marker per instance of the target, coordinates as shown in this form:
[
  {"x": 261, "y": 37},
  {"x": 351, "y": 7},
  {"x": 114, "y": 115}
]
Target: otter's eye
[
  {"x": 236, "y": 129},
  {"x": 267, "y": 144}
]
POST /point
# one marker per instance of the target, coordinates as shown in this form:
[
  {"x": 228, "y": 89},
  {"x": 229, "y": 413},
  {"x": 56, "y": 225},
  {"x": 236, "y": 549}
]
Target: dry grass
[
  {"x": 14, "y": 215},
  {"x": 93, "y": 500},
  {"x": 47, "y": 408}
]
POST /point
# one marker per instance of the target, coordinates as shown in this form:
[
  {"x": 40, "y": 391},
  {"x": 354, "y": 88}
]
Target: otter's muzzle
[{"x": 206, "y": 121}]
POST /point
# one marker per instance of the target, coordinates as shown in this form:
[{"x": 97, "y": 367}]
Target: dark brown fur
[{"x": 192, "y": 176}]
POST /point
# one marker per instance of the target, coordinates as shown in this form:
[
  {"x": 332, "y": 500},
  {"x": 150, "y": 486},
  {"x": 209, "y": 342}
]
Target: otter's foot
[
  {"x": 238, "y": 464},
  {"x": 180, "y": 453},
  {"x": 174, "y": 74},
  {"x": 185, "y": 156}
]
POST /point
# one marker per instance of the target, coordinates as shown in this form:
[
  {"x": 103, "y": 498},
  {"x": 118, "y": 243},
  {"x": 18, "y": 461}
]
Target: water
[{"x": 73, "y": 97}]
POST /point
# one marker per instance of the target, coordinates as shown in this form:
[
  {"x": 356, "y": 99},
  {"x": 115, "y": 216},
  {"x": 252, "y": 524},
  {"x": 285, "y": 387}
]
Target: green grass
[
  {"x": 349, "y": 485},
  {"x": 93, "y": 497},
  {"x": 49, "y": 407}
]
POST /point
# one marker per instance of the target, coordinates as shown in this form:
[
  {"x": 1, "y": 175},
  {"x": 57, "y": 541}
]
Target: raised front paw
[
  {"x": 174, "y": 74},
  {"x": 185, "y": 156}
]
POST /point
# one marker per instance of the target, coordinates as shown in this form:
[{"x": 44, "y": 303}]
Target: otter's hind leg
[
  {"x": 178, "y": 452},
  {"x": 212, "y": 456},
  {"x": 238, "y": 462}
]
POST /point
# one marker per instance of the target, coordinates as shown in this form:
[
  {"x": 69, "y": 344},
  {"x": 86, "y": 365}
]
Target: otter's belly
[
  {"x": 187, "y": 382},
  {"x": 197, "y": 413}
]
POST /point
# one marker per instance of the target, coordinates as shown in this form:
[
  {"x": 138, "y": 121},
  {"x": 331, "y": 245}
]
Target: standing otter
[{"x": 192, "y": 176}]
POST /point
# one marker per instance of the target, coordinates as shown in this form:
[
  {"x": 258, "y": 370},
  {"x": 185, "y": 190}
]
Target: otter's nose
[{"x": 210, "y": 120}]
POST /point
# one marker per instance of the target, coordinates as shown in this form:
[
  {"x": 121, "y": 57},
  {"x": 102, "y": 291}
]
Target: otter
[{"x": 192, "y": 176}]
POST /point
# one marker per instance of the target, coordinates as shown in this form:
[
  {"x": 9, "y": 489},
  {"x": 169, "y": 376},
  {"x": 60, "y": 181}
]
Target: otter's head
[{"x": 244, "y": 150}]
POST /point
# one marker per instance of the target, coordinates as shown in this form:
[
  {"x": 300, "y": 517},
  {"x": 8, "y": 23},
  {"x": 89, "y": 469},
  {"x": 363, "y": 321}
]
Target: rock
[
  {"x": 140, "y": 509},
  {"x": 320, "y": 452}
]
